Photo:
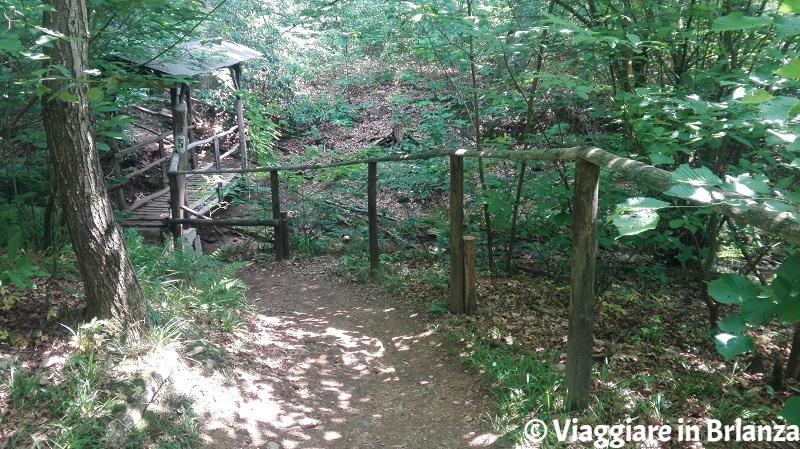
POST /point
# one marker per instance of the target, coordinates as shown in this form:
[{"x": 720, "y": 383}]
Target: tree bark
[{"x": 112, "y": 290}]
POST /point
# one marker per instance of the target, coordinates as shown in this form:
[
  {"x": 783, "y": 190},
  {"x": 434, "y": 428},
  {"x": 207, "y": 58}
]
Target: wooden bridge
[{"x": 203, "y": 191}]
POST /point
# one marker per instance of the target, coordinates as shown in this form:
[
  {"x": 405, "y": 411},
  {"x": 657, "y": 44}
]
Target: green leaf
[
  {"x": 12, "y": 46},
  {"x": 696, "y": 176},
  {"x": 757, "y": 96},
  {"x": 790, "y": 6},
  {"x": 636, "y": 222},
  {"x": 637, "y": 203},
  {"x": 791, "y": 411},
  {"x": 583, "y": 92},
  {"x": 777, "y": 110},
  {"x": 790, "y": 270},
  {"x": 733, "y": 324},
  {"x": 731, "y": 345},
  {"x": 42, "y": 90},
  {"x": 690, "y": 192},
  {"x": 748, "y": 184},
  {"x": 732, "y": 289},
  {"x": 758, "y": 310},
  {"x": 788, "y": 310},
  {"x": 67, "y": 96},
  {"x": 658, "y": 159},
  {"x": 737, "y": 21},
  {"x": 790, "y": 70},
  {"x": 94, "y": 93}
]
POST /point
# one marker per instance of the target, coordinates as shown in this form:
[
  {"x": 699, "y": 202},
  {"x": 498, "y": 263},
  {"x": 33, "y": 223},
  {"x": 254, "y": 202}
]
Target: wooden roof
[{"x": 196, "y": 57}]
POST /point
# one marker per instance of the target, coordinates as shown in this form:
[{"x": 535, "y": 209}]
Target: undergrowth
[{"x": 70, "y": 400}]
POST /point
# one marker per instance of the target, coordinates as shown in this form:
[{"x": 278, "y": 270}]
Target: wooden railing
[
  {"x": 584, "y": 230},
  {"x": 163, "y": 161}
]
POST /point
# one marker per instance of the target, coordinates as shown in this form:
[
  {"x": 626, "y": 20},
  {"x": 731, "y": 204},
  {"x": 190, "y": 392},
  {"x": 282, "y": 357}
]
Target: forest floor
[{"x": 328, "y": 363}]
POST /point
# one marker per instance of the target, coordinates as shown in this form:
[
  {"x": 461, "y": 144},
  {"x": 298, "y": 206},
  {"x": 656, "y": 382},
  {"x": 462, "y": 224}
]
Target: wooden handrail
[
  {"x": 770, "y": 221},
  {"x": 197, "y": 143}
]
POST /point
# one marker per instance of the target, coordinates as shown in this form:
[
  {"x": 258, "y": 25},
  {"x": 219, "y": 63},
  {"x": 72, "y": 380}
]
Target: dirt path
[{"x": 332, "y": 364}]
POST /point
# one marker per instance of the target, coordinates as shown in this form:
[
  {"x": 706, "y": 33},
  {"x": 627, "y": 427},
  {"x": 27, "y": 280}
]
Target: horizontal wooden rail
[
  {"x": 772, "y": 222},
  {"x": 224, "y": 222},
  {"x": 145, "y": 168},
  {"x": 139, "y": 146},
  {"x": 197, "y": 143}
]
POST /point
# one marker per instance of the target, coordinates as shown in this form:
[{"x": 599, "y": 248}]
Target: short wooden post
[
  {"x": 218, "y": 166},
  {"x": 177, "y": 183},
  {"x": 285, "y": 233},
  {"x": 580, "y": 337},
  {"x": 276, "y": 214},
  {"x": 372, "y": 212},
  {"x": 470, "y": 277},
  {"x": 456, "y": 234},
  {"x": 162, "y": 153}
]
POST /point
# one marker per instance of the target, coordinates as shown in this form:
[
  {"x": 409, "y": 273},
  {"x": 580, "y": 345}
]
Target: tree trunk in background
[{"x": 111, "y": 288}]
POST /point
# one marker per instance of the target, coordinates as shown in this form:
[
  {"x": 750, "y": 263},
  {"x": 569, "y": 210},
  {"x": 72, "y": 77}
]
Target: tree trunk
[{"x": 111, "y": 288}]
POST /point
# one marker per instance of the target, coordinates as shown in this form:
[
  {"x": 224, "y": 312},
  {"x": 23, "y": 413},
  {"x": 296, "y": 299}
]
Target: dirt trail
[{"x": 332, "y": 364}]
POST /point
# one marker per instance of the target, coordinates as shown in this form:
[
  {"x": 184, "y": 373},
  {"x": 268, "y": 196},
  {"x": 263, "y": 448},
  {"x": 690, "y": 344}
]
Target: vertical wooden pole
[
  {"x": 177, "y": 183},
  {"x": 218, "y": 166},
  {"x": 285, "y": 233},
  {"x": 162, "y": 152},
  {"x": 185, "y": 96},
  {"x": 276, "y": 213},
  {"x": 236, "y": 74},
  {"x": 470, "y": 277},
  {"x": 580, "y": 339},
  {"x": 456, "y": 234},
  {"x": 372, "y": 212}
]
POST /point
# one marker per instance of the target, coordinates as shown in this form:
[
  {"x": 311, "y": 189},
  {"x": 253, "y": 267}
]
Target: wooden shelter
[
  {"x": 195, "y": 58},
  {"x": 187, "y": 194}
]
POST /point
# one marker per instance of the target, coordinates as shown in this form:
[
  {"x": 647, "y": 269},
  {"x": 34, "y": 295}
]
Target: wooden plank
[
  {"x": 580, "y": 339},
  {"x": 146, "y": 199},
  {"x": 456, "y": 234},
  {"x": 225, "y": 222}
]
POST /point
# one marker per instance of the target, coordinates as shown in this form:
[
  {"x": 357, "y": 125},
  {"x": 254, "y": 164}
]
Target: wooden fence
[{"x": 589, "y": 161}]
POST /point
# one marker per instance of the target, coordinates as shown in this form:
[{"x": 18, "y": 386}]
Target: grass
[{"x": 74, "y": 401}]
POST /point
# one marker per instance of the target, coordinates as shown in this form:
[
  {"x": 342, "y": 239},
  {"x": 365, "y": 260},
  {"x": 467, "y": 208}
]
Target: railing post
[
  {"x": 162, "y": 153},
  {"x": 276, "y": 214},
  {"x": 580, "y": 340},
  {"x": 218, "y": 166},
  {"x": 456, "y": 234},
  {"x": 177, "y": 183},
  {"x": 470, "y": 277},
  {"x": 372, "y": 212}
]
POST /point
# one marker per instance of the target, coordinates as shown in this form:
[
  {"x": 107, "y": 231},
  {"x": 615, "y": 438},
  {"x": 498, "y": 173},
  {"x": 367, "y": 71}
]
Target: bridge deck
[{"x": 202, "y": 193}]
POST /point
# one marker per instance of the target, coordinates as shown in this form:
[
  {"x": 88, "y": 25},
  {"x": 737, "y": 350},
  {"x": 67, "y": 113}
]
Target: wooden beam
[
  {"x": 147, "y": 199},
  {"x": 456, "y": 234},
  {"x": 177, "y": 181},
  {"x": 779, "y": 224},
  {"x": 224, "y": 222},
  {"x": 580, "y": 338}
]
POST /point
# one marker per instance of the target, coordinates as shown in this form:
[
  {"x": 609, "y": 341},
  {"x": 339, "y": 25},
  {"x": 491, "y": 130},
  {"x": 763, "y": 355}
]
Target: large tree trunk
[{"x": 111, "y": 288}]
